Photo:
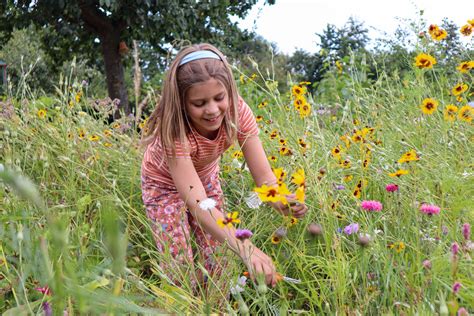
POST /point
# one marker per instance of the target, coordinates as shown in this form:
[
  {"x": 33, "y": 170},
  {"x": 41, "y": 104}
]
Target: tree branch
[{"x": 94, "y": 18}]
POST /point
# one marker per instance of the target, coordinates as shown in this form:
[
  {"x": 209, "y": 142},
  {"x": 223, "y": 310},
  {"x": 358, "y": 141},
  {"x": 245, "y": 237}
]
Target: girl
[{"x": 199, "y": 116}]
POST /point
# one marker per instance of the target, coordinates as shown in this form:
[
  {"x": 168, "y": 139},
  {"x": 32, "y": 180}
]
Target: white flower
[
  {"x": 239, "y": 287},
  {"x": 207, "y": 204},
  {"x": 253, "y": 201}
]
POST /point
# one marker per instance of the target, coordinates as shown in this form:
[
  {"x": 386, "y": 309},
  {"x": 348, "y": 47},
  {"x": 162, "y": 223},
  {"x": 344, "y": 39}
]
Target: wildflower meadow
[{"x": 386, "y": 167}]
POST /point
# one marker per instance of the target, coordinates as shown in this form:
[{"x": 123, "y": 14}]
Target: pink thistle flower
[
  {"x": 456, "y": 287},
  {"x": 427, "y": 264},
  {"x": 466, "y": 231},
  {"x": 454, "y": 249},
  {"x": 391, "y": 187},
  {"x": 463, "y": 312},
  {"x": 372, "y": 206},
  {"x": 429, "y": 209},
  {"x": 243, "y": 234},
  {"x": 45, "y": 290}
]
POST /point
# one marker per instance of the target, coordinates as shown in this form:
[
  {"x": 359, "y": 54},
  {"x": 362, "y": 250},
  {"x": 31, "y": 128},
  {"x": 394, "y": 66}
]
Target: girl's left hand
[{"x": 293, "y": 208}]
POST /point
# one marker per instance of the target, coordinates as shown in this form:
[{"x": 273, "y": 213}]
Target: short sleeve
[{"x": 247, "y": 123}]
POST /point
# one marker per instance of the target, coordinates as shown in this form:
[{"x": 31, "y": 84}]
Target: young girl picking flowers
[{"x": 199, "y": 116}]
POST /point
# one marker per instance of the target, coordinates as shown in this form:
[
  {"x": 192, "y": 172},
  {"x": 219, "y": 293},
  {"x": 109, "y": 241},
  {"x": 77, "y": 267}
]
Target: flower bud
[{"x": 364, "y": 240}]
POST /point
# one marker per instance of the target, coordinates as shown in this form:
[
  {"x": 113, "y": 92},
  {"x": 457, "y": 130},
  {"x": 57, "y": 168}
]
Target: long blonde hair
[{"x": 168, "y": 120}]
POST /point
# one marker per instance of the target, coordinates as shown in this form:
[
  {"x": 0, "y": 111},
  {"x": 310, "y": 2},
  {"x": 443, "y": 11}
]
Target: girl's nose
[{"x": 212, "y": 108}]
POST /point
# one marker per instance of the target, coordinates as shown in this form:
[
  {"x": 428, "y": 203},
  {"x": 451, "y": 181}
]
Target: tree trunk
[
  {"x": 109, "y": 34},
  {"x": 114, "y": 70}
]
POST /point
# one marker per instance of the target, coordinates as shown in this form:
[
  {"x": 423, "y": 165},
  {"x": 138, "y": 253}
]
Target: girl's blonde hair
[{"x": 168, "y": 121}]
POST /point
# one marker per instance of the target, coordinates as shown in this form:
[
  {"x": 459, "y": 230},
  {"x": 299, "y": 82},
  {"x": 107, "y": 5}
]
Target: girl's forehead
[{"x": 205, "y": 89}]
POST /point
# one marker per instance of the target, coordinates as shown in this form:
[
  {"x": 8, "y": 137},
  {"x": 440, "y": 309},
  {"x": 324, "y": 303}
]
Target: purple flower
[
  {"x": 243, "y": 234},
  {"x": 351, "y": 229},
  {"x": 339, "y": 187},
  {"x": 48, "y": 311},
  {"x": 427, "y": 264},
  {"x": 454, "y": 249},
  {"x": 391, "y": 187},
  {"x": 372, "y": 206},
  {"x": 429, "y": 209},
  {"x": 444, "y": 229},
  {"x": 466, "y": 231},
  {"x": 456, "y": 287}
]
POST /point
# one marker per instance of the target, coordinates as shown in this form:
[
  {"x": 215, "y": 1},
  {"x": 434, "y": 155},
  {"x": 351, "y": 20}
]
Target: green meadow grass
[{"x": 72, "y": 217}]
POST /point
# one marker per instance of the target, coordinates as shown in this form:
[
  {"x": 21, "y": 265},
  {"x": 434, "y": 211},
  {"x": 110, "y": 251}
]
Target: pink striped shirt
[{"x": 204, "y": 153}]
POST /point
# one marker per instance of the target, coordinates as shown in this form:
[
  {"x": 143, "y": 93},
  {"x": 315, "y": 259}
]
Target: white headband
[{"x": 200, "y": 54}]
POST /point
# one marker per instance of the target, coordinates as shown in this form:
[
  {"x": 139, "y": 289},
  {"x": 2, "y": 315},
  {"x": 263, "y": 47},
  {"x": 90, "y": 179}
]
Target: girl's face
[{"x": 206, "y": 104}]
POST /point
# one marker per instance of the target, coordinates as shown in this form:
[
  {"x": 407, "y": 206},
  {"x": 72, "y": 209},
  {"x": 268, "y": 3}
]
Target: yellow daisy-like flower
[
  {"x": 94, "y": 138},
  {"x": 293, "y": 221},
  {"x": 357, "y": 193},
  {"x": 299, "y": 102},
  {"x": 106, "y": 144},
  {"x": 237, "y": 154},
  {"x": 471, "y": 22},
  {"x": 229, "y": 220},
  {"x": 143, "y": 123},
  {"x": 280, "y": 174},
  {"x": 348, "y": 178},
  {"x": 439, "y": 35},
  {"x": 276, "y": 239},
  {"x": 399, "y": 173},
  {"x": 300, "y": 194},
  {"x": 466, "y": 30},
  {"x": 335, "y": 204},
  {"x": 78, "y": 96},
  {"x": 70, "y": 135},
  {"x": 305, "y": 110},
  {"x": 432, "y": 29},
  {"x": 273, "y": 193},
  {"x": 272, "y": 158},
  {"x": 258, "y": 118},
  {"x": 424, "y": 61},
  {"x": 399, "y": 246},
  {"x": 242, "y": 79},
  {"x": 81, "y": 133},
  {"x": 429, "y": 106},
  {"x": 107, "y": 132},
  {"x": 465, "y": 66},
  {"x": 253, "y": 77},
  {"x": 298, "y": 178},
  {"x": 304, "y": 83},
  {"x": 262, "y": 104},
  {"x": 298, "y": 90},
  {"x": 459, "y": 88},
  {"x": 466, "y": 113},
  {"x": 366, "y": 163},
  {"x": 345, "y": 163},
  {"x": 282, "y": 141},
  {"x": 409, "y": 156},
  {"x": 339, "y": 66},
  {"x": 274, "y": 134},
  {"x": 336, "y": 152},
  {"x": 449, "y": 112},
  {"x": 346, "y": 139},
  {"x": 285, "y": 151},
  {"x": 41, "y": 113},
  {"x": 304, "y": 145}
]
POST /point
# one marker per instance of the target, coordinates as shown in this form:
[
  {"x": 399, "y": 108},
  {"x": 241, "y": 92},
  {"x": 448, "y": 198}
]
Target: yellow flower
[
  {"x": 107, "y": 144},
  {"x": 344, "y": 163},
  {"x": 465, "y": 66},
  {"x": 299, "y": 101},
  {"x": 282, "y": 142},
  {"x": 450, "y": 112},
  {"x": 273, "y": 158},
  {"x": 348, "y": 178},
  {"x": 339, "y": 66},
  {"x": 303, "y": 144},
  {"x": 285, "y": 151},
  {"x": 336, "y": 152},
  {"x": 304, "y": 83},
  {"x": 439, "y": 35},
  {"x": 305, "y": 110},
  {"x": 459, "y": 99},
  {"x": 471, "y": 22},
  {"x": 258, "y": 118},
  {"x": 82, "y": 133},
  {"x": 466, "y": 30},
  {"x": 432, "y": 29},
  {"x": 346, "y": 140},
  {"x": 237, "y": 154},
  {"x": 466, "y": 113},
  {"x": 41, "y": 113},
  {"x": 262, "y": 104},
  {"x": 365, "y": 163},
  {"x": 107, "y": 132},
  {"x": 399, "y": 246},
  {"x": 116, "y": 125},
  {"x": 272, "y": 193},
  {"x": 94, "y": 138},
  {"x": 298, "y": 178},
  {"x": 228, "y": 220},
  {"x": 357, "y": 136},
  {"x": 242, "y": 79},
  {"x": 357, "y": 193},
  {"x": 276, "y": 239},
  {"x": 253, "y": 77},
  {"x": 280, "y": 174},
  {"x": 78, "y": 96},
  {"x": 293, "y": 221},
  {"x": 409, "y": 156},
  {"x": 459, "y": 88},
  {"x": 274, "y": 134},
  {"x": 300, "y": 194},
  {"x": 399, "y": 173},
  {"x": 429, "y": 105},
  {"x": 424, "y": 61},
  {"x": 298, "y": 90}
]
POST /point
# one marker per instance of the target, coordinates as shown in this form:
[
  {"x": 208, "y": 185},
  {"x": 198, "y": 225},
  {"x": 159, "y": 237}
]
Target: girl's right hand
[{"x": 257, "y": 263}]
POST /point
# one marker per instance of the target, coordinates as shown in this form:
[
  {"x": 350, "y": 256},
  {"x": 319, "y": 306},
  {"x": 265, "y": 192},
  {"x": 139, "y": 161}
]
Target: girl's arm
[
  {"x": 262, "y": 173},
  {"x": 192, "y": 191}
]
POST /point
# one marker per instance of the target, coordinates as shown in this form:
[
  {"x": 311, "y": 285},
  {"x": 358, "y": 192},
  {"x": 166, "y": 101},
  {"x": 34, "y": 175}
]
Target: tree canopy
[{"x": 94, "y": 28}]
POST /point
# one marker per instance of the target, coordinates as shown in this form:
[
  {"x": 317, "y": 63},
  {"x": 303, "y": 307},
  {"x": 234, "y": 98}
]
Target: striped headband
[{"x": 200, "y": 54}]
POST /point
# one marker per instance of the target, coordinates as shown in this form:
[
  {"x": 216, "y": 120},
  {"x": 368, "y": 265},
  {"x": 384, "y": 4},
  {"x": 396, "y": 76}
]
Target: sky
[{"x": 292, "y": 24}]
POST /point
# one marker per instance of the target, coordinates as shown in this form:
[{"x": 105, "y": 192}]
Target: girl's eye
[
  {"x": 219, "y": 97},
  {"x": 198, "y": 104}
]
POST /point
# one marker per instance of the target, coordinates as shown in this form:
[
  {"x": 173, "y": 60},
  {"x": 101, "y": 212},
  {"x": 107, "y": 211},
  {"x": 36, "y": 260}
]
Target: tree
[{"x": 104, "y": 27}]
